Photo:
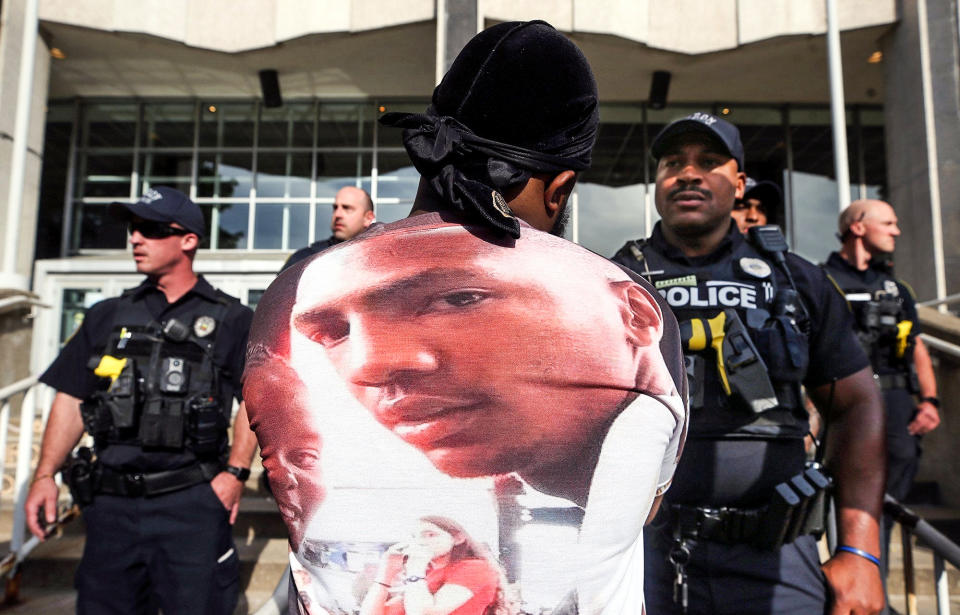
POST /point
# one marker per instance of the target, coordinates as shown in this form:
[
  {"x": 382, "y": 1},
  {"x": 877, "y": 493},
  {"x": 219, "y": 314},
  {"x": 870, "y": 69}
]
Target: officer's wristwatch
[
  {"x": 934, "y": 401},
  {"x": 242, "y": 474}
]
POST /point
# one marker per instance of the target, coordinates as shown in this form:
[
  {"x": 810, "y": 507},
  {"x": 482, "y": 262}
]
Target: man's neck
[
  {"x": 855, "y": 254},
  {"x": 696, "y": 244},
  {"x": 175, "y": 284}
]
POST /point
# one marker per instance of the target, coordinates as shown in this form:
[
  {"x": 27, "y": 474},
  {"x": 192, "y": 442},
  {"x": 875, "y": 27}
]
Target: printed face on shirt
[
  {"x": 290, "y": 442},
  {"x": 488, "y": 359}
]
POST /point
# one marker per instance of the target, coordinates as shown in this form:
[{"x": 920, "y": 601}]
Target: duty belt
[
  {"x": 155, "y": 483},
  {"x": 725, "y": 525},
  {"x": 892, "y": 381}
]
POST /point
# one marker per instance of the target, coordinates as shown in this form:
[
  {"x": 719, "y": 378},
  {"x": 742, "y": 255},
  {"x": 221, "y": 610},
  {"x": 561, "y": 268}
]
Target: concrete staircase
[
  {"x": 947, "y": 521},
  {"x": 259, "y": 533}
]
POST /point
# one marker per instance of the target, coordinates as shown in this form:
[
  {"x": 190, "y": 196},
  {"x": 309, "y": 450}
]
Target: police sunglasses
[{"x": 155, "y": 230}]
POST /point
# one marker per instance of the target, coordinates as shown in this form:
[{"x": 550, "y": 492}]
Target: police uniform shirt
[
  {"x": 743, "y": 472},
  {"x": 70, "y": 374},
  {"x": 874, "y": 276},
  {"x": 304, "y": 253}
]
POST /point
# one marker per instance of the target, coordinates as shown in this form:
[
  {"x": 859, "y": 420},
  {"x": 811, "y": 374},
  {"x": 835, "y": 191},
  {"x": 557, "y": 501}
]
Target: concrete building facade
[{"x": 125, "y": 95}]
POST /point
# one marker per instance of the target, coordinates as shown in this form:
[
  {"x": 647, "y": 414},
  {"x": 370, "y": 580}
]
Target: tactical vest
[
  {"x": 882, "y": 325},
  {"x": 745, "y": 348},
  {"x": 163, "y": 390}
]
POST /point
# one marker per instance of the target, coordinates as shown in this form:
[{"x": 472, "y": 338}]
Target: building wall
[{"x": 908, "y": 162}]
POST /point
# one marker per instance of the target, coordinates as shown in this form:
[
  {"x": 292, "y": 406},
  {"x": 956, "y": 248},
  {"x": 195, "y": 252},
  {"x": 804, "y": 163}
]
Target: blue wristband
[{"x": 859, "y": 552}]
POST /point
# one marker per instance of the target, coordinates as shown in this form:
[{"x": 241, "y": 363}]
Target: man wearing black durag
[{"x": 491, "y": 355}]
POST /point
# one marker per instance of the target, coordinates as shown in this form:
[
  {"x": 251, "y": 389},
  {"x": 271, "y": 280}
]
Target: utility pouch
[
  {"x": 205, "y": 425},
  {"x": 120, "y": 399},
  {"x": 807, "y": 494},
  {"x": 82, "y": 477},
  {"x": 785, "y": 349},
  {"x": 96, "y": 416},
  {"x": 694, "y": 365},
  {"x": 777, "y": 517},
  {"x": 161, "y": 423},
  {"x": 816, "y": 521},
  {"x": 745, "y": 369}
]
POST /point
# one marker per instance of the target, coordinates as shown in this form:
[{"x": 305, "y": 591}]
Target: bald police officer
[
  {"x": 352, "y": 213},
  {"x": 888, "y": 328}
]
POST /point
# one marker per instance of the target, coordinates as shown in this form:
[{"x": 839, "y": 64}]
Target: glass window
[
  {"x": 98, "y": 230},
  {"x": 105, "y": 175},
  {"x": 168, "y": 125},
  {"x": 254, "y": 296},
  {"x": 288, "y": 126},
  {"x": 227, "y": 223},
  {"x": 815, "y": 201},
  {"x": 283, "y": 175},
  {"x": 608, "y": 216},
  {"x": 397, "y": 178},
  {"x": 336, "y": 170},
  {"x": 110, "y": 125},
  {"x": 273, "y": 221},
  {"x": 345, "y": 125},
  {"x": 76, "y": 302},
  {"x": 224, "y": 175},
  {"x": 172, "y": 169},
  {"x": 227, "y": 124}
]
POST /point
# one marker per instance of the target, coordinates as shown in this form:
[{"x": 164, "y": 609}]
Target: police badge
[{"x": 204, "y": 326}]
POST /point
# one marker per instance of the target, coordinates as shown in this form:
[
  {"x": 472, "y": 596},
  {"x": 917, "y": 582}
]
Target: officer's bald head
[{"x": 860, "y": 210}]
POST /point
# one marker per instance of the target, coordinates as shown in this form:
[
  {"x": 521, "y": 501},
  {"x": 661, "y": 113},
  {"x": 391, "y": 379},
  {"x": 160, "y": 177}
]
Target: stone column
[
  {"x": 15, "y": 324},
  {"x": 457, "y": 23},
  {"x": 909, "y": 161}
]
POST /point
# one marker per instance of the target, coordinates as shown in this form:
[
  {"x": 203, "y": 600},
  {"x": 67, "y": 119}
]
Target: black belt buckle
[
  {"x": 711, "y": 524},
  {"x": 134, "y": 484}
]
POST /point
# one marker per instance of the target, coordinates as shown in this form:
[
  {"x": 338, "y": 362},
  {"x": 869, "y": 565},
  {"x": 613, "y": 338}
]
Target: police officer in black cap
[
  {"x": 757, "y": 322},
  {"x": 152, "y": 375}
]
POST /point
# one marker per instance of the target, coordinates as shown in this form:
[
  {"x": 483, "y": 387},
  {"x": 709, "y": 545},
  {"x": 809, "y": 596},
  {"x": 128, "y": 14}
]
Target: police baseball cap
[
  {"x": 705, "y": 123},
  {"x": 163, "y": 204},
  {"x": 765, "y": 191}
]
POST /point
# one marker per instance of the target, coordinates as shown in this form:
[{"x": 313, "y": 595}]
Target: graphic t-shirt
[{"x": 427, "y": 393}]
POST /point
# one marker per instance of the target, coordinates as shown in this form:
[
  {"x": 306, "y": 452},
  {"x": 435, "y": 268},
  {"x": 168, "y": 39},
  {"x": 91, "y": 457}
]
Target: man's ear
[
  {"x": 557, "y": 191},
  {"x": 741, "y": 187},
  {"x": 858, "y": 228},
  {"x": 643, "y": 324},
  {"x": 189, "y": 242},
  {"x": 368, "y": 218}
]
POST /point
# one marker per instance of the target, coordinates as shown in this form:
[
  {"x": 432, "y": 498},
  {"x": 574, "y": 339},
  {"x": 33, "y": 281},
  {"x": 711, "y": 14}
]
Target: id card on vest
[{"x": 465, "y": 422}]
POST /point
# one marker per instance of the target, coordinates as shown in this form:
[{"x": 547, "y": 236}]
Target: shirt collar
[
  {"x": 730, "y": 242},
  {"x": 201, "y": 288},
  {"x": 837, "y": 261}
]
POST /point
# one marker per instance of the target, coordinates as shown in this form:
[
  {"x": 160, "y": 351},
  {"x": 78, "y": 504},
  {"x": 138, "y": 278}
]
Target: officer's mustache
[{"x": 686, "y": 188}]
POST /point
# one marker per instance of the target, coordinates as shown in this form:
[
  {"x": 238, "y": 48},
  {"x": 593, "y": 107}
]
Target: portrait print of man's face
[
  {"x": 487, "y": 359},
  {"x": 416, "y": 370}
]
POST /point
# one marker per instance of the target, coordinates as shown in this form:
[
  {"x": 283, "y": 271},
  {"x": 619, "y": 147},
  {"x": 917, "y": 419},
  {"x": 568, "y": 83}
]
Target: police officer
[
  {"x": 760, "y": 205},
  {"x": 352, "y": 213},
  {"x": 886, "y": 322},
  {"x": 734, "y": 534},
  {"x": 151, "y": 375}
]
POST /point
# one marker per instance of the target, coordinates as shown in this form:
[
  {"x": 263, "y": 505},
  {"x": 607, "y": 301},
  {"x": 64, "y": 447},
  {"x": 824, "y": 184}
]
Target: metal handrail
[
  {"x": 9, "y": 303},
  {"x": 940, "y": 345},
  {"x": 21, "y": 481},
  {"x": 941, "y": 301},
  {"x": 944, "y": 550}
]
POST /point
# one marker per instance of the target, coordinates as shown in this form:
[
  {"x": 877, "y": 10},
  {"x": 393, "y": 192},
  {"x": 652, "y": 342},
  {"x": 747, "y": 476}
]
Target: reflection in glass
[
  {"x": 98, "y": 229},
  {"x": 288, "y": 126},
  {"x": 76, "y": 302},
  {"x": 224, "y": 175},
  {"x": 610, "y": 216},
  {"x": 166, "y": 169},
  {"x": 227, "y": 124},
  {"x": 109, "y": 125},
  {"x": 345, "y": 125},
  {"x": 273, "y": 221},
  {"x": 168, "y": 125},
  {"x": 336, "y": 170},
  {"x": 105, "y": 175},
  {"x": 283, "y": 175},
  {"x": 227, "y": 225}
]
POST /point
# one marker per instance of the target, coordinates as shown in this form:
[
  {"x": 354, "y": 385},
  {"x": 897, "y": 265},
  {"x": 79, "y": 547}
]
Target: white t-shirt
[{"x": 438, "y": 395}]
